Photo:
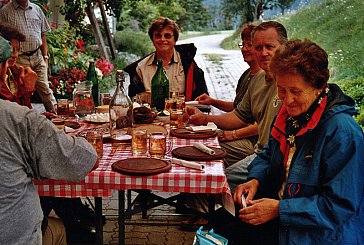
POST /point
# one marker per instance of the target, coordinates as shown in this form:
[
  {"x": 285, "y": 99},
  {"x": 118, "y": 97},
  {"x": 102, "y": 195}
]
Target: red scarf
[{"x": 279, "y": 131}]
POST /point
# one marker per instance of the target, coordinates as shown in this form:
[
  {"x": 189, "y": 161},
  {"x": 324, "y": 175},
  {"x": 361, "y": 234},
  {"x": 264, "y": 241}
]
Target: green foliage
[
  {"x": 232, "y": 41},
  {"x": 138, "y": 14},
  {"x": 354, "y": 88},
  {"x": 64, "y": 49},
  {"x": 137, "y": 43},
  {"x": 196, "y": 18},
  {"x": 337, "y": 26}
]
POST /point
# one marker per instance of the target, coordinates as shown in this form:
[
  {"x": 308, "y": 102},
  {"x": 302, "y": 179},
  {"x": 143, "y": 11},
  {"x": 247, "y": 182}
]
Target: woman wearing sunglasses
[{"x": 184, "y": 75}]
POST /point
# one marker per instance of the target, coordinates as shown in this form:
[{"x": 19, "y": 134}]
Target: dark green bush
[
  {"x": 137, "y": 43},
  {"x": 355, "y": 89}
]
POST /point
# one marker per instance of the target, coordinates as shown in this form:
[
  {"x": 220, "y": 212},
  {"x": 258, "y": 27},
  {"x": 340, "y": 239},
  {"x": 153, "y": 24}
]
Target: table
[{"x": 102, "y": 180}]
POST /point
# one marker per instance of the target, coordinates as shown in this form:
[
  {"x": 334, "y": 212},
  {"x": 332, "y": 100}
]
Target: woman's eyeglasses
[{"x": 165, "y": 35}]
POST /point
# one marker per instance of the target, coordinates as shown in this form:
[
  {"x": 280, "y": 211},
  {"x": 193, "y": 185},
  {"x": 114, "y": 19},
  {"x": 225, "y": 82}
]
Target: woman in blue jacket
[{"x": 309, "y": 179}]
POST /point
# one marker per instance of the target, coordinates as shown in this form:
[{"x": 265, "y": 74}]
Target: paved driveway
[{"x": 222, "y": 67}]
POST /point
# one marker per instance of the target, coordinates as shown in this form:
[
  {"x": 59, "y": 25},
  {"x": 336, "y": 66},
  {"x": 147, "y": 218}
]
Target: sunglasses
[{"x": 165, "y": 35}]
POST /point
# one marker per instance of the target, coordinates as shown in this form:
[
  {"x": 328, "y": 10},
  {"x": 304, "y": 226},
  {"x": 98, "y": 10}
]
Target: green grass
[
  {"x": 189, "y": 34},
  {"x": 214, "y": 58},
  {"x": 338, "y": 27}
]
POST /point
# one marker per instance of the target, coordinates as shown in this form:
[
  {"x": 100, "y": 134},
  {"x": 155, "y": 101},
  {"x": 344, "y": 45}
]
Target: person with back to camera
[
  {"x": 235, "y": 142},
  {"x": 309, "y": 177},
  {"x": 183, "y": 74},
  {"x": 32, "y": 147}
]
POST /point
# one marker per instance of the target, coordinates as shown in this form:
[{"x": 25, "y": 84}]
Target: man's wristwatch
[{"x": 45, "y": 57}]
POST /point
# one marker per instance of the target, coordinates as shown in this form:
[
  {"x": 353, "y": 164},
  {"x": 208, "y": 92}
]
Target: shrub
[
  {"x": 137, "y": 43},
  {"x": 355, "y": 89}
]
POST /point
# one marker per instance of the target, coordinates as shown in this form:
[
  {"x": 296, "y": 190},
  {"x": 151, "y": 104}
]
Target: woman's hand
[
  {"x": 226, "y": 136},
  {"x": 204, "y": 99},
  {"x": 195, "y": 116},
  {"x": 248, "y": 189},
  {"x": 260, "y": 211}
]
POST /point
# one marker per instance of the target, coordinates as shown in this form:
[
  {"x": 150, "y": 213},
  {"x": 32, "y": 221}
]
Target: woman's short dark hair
[
  {"x": 303, "y": 57},
  {"x": 246, "y": 33},
  {"x": 161, "y": 23},
  {"x": 9, "y": 33}
]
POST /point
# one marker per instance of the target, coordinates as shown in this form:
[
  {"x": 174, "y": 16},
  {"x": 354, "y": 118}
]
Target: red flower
[
  {"x": 54, "y": 26},
  {"x": 63, "y": 82},
  {"x": 104, "y": 66},
  {"x": 80, "y": 44}
]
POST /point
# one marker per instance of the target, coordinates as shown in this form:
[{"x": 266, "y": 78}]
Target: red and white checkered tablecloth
[{"x": 102, "y": 180}]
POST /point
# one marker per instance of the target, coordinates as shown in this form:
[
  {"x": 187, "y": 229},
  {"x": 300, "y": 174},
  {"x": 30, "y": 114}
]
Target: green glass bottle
[
  {"x": 160, "y": 87},
  {"x": 92, "y": 76}
]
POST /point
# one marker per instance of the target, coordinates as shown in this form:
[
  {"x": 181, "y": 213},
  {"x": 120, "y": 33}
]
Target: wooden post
[
  {"x": 96, "y": 29},
  {"x": 107, "y": 29}
]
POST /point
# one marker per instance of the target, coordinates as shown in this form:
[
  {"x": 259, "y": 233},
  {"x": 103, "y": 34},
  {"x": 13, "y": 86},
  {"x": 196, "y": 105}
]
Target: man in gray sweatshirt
[{"x": 32, "y": 147}]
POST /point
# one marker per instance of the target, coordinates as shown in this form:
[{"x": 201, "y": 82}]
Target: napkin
[
  {"x": 192, "y": 102},
  {"x": 188, "y": 164},
  {"x": 204, "y": 148},
  {"x": 68, "y": 129},
  {"x": 98, "y": 117},
  {"x": 209, "y": 127}
]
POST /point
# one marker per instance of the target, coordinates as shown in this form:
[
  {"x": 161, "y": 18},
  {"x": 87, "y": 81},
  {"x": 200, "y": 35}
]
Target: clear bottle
[
  {"x": 160, "y": 87},
  {"x": 121, "y": 114},
  {"x": 92, "y": 76}
]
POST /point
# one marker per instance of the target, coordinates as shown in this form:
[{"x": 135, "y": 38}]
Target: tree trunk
[
  {"x": 96, "y": 29},
  {"x": 107, "y": 29}
]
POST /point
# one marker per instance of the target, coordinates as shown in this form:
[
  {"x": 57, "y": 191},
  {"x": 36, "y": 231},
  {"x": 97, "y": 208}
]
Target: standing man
[
  {"x": 29, "y": 19},
  {"x": 260, "y": 103}
]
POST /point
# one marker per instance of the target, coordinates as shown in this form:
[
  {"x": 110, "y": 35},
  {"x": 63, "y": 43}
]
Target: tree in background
[
  {"x": 251, "y": 10},
  {"x": 138, "y": 14},
  {"x": 196, "y": 18}
]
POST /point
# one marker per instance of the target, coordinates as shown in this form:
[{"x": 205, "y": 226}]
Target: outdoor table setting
[{"x": 184, "y": 172}]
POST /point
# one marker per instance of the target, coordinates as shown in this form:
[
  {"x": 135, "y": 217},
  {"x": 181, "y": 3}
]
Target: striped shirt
[{"x": 30, "y": 21}]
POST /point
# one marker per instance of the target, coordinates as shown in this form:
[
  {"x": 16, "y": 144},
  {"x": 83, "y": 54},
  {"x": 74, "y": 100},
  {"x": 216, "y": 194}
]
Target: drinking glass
[
  {"x": 95, "y": 139},
  {"x": 158, "y": 145},
  {"x": 177, "y": 119},
  {"x": 139, "y": 142},
  {"x": 58, "y": 122},
  {"x": 63, "y": 108}
]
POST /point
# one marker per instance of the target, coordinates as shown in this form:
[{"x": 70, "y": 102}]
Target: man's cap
[{"x": 5, "y": 49}]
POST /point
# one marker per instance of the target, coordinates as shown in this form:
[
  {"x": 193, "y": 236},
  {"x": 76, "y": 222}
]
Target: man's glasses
[
  {"x": 248, "y": 45},
  {"x": 165, "y": 35}
]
